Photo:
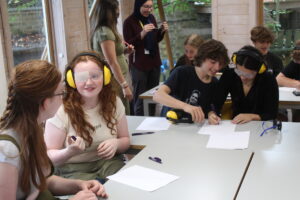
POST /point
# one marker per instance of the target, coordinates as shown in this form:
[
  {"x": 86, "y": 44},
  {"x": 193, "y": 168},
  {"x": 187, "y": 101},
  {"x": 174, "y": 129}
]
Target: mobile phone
[{"x": 296, "y": 92}]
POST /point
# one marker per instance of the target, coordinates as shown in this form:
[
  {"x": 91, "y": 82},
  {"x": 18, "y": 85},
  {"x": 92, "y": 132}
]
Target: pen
[
  {"x": 213, "y": 108},
  {"x": 73, "y": 138},
  {"x": 142, "y": 133},
  {"x": 155, "y": 159}
]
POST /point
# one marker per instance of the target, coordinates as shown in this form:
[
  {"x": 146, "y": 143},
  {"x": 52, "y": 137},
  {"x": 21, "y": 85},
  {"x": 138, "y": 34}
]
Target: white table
[
  {"x": 216, "y": 174},
  {"x": 147, "y": 98},
  {"x": 272, "y": 176},
  {"x": 204, "y": 173}
]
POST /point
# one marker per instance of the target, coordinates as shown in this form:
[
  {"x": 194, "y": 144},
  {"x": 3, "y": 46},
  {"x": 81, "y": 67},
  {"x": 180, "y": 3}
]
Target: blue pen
[
  {"x": 155, "y": 159},
  {"x": 142, "y": 133}
]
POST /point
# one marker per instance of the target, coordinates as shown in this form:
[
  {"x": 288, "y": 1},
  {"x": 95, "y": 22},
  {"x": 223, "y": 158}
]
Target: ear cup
[
  {"x": 254, "y": 55},
  {"x": 262, "y": 69},
  {"x": 106, "y": 75},
  {"x": 233, "y": 58},
  {"x": 70, "y": 79}
]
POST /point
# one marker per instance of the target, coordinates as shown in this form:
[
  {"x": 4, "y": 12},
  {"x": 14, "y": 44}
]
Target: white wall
[{"x": 232, "y": 21}]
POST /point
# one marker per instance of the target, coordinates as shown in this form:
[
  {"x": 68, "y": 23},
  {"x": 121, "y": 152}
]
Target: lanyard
[{"x": 141, "y": 24}]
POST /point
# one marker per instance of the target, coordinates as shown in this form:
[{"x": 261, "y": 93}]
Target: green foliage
[
  {"x": 20, "y": 4},
  {"x": 170, "y": 6}
]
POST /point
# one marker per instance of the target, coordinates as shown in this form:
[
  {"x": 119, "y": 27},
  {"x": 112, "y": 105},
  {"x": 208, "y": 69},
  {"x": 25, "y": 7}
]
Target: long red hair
[{"x": 73, "y": 101}]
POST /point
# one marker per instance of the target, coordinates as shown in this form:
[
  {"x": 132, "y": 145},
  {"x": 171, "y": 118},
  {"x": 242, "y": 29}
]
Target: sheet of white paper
[
  {"x": 287, "y": 89},
  {"x": 223, "y": 127},
  {"x": 236, "y": 140},
  {"x": 143, "y": 178},
  {"x": 154, "y": 124}
]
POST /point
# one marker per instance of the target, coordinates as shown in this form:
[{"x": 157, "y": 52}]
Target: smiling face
[
  {"x": 211, "y": 67},
  {"x": 146, "y": 8},
  {"x": 89, "y": 80},
  {"x": 190, "y": 51},
  {"x": 263, "y": 47}
]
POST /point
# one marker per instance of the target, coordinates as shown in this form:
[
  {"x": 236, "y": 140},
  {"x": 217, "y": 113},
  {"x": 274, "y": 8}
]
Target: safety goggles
[
  {"x": 86, "y": 75},
  {"x": 244, "y": 74}
]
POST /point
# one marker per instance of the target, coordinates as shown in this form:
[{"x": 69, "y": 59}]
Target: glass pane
[
  {"x": 26, "y": 21},
  {"x": 283, "y": 18},
  {"x": 184, "y": 18},
  {"x": 90, "y": 3}
]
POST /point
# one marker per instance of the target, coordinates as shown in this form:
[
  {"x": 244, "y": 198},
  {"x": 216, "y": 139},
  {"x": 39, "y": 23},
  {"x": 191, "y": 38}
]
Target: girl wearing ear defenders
[
  {"x": 254, "y": 92},
  {"x": 92, "y": 113}
]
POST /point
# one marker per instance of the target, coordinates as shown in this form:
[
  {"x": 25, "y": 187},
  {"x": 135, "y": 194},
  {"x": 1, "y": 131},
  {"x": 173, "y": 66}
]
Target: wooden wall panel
[{"x": 232, "y": 21}]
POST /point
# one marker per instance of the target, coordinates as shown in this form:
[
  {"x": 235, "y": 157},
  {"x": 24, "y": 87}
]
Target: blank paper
[
  {"x": 143, "y": 178},
  {"x": 236, "y": 140},
  {"x": 154, "y": 124}
]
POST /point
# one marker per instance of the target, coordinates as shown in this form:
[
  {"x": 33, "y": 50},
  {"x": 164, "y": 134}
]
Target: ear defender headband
[
  {"x": 69, "y": 76},
  {"x": 254, "y": 55}
]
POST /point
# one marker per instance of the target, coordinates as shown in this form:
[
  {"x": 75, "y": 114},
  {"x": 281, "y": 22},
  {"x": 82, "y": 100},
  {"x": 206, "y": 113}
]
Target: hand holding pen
[
  {"x": 148, "y": 27},
  {"x": 213, "y": 118},
  {"x": 76, "y": 144}
]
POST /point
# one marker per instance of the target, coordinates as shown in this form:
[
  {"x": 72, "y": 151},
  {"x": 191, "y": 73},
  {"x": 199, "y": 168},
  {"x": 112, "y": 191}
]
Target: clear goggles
[
  {"x": 86, "y": 75},
  {"x": 244, "y": 74}
]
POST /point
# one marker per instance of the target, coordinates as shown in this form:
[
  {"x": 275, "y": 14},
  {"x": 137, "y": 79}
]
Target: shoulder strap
[{"x": 11, "y": 139}]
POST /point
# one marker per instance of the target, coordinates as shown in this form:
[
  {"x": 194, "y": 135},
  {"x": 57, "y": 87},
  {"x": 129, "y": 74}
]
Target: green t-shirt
[{"x": 104, "y": 33}]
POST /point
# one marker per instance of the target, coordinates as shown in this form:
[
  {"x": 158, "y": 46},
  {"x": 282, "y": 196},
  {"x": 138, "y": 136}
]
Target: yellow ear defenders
[
  {"x": 176, "y": 116},
  {"x": 254, "y": 55},
  {"x": 69, "y": 76}
]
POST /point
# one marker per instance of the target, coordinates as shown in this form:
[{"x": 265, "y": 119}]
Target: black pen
[
  {"x": 142, "y": 133},
  {"x": 213, "y": 108}
]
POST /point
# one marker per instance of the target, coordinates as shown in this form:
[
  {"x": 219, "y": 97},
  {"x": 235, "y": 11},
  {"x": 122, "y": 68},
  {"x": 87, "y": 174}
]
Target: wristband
[{"x": 124, "y": 84}]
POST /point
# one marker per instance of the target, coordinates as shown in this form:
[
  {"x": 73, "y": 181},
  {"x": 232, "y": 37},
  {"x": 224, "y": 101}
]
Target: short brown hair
[
  {"x": 212, "y": 49},
  {"x": 261, "y": 34}
]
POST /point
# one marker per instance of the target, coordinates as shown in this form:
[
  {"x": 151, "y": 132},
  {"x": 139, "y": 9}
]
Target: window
[
  {"x": 28, "y": 31},
  {"x": 283, "y": 18}
]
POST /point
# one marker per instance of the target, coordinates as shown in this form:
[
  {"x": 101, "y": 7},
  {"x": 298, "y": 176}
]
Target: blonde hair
[{"x": 194, "y": 40}]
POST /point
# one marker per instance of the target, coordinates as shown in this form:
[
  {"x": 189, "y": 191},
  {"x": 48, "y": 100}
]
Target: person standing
[
  {"x": 140, "y": 29},
  {"x": 106, "y": 40}
]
